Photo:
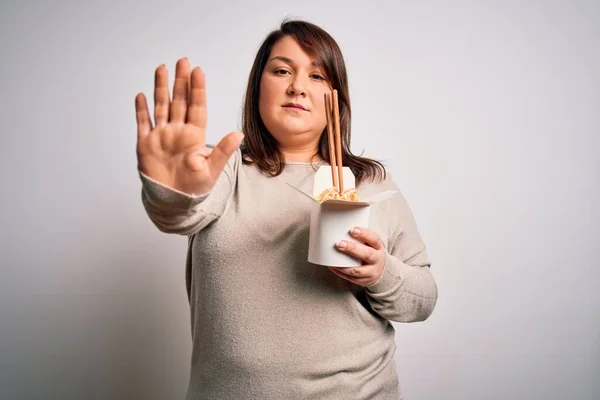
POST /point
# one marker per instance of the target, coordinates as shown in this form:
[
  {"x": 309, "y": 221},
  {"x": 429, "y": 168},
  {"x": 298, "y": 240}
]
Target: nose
[{"x": 297, "y": 87}]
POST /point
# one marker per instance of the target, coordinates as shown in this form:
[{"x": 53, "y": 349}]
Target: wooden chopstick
[
  {"x": 338, "y": 140},
  {"x": 330, "y": 135}
]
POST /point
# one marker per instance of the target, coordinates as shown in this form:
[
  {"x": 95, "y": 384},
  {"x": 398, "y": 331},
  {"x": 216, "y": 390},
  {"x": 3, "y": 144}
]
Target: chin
[
  {"x": 287, "y": 128},
  {"x": 284, "y": 135},
  {"x": 294, "y": 127}
]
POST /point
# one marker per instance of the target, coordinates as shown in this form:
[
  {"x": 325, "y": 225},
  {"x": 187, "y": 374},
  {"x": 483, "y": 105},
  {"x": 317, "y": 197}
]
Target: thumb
[{"x": 223, "y": 150}]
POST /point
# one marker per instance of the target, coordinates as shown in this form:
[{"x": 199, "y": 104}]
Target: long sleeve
[
  {"x": 406, "y": 290},
  {"x": 176, "y": 212}
]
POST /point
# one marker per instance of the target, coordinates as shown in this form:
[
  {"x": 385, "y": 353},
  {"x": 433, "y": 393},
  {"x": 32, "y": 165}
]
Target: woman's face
[{"x": 291, "y": 97}]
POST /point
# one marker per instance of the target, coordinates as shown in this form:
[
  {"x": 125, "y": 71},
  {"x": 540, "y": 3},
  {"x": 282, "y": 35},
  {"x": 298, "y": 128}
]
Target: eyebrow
[{"x": 290, "y": 61}]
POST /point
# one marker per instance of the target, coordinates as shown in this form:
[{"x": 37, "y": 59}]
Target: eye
[
  {"x": 280, "y": 71},
  {"x": 318, "y": 77}
]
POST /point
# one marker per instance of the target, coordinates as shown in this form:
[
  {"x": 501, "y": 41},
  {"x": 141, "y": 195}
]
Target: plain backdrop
[{"x": 485, "y": 112}]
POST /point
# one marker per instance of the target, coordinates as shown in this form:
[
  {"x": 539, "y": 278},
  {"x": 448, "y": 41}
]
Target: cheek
[
  {"x": 319, "y": 105},
  {"x": 269, "y": 88},
  {"x": 320, "y": 117},
  {"x": 265, "y": 98}
]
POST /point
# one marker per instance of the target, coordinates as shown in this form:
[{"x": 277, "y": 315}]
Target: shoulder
[
  {"x": 396, "y": 207},
  {"x": 371, "y": 187}
]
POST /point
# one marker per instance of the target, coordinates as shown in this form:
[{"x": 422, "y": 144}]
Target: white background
[{"x": 486, "y": 113}]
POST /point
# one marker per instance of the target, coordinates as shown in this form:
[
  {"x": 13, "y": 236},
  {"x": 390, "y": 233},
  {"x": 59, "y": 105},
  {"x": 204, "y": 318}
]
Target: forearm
[
  {"x": 405, "y": 292},
  {"x": 172, "y": 211}
]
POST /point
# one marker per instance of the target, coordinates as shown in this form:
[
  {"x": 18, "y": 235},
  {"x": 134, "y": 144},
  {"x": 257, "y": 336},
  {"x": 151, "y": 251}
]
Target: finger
[
  {"x": 340, "y": 274},
  {"x": 367, "y": 236},
  {"x": 352, "y": 271},
  {"x": 221, "y": 153},
  {"x": 354, "y": 279},
  {"x": 180, "y": 91},
  {"x": 359, "y": 250},
  {"x": 161, "y": 96},
  {"x": 142, "y": 115},
  {"x": 196, "y": 113}
]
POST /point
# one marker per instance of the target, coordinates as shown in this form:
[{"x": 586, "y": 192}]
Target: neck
[
  {"x": 306, "y": 155},
  {"x": 300, "y": 152}
]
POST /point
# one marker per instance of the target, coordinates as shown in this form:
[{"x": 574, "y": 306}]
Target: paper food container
[{"x": 332, "y": 220}]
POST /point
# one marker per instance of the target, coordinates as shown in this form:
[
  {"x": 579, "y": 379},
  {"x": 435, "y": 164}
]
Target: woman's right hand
[{"x": 173, "y": 151}]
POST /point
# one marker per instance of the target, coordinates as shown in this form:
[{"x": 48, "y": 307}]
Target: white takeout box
[{"x": 332, "y": 220}]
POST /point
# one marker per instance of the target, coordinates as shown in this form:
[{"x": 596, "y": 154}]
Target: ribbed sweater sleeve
[
  {"x": 173, "y": 211},
  {"x": 406, "y": 290}
]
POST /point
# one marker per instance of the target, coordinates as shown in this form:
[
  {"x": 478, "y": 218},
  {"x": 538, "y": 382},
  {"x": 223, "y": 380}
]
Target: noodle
[{"x": 333, "y": 194}]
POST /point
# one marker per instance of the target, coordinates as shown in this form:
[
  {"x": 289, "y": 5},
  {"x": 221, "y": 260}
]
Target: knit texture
[{"x": 267, "y": 324}]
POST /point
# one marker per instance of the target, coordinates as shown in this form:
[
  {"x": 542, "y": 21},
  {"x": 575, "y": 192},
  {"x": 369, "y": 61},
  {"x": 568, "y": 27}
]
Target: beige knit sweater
[{"x": 267, "y": 324}]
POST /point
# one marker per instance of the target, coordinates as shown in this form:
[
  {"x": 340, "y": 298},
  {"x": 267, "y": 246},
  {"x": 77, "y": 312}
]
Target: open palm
[{"x": 173, "y": 150}]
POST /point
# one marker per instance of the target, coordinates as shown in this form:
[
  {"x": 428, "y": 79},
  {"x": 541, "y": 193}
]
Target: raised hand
[{"x": 173, "y": 150}]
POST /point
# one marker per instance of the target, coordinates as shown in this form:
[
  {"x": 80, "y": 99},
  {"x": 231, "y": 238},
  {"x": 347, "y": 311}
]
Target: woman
[{"x": 266, "y": 324}]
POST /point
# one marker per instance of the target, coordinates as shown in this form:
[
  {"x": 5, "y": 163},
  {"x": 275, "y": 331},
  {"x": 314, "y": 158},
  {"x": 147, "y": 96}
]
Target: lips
[{"x": 294, "y": 105}]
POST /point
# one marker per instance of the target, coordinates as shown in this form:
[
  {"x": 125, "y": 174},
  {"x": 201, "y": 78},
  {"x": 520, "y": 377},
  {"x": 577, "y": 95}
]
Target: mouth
[{"x": 294, "y": 105}]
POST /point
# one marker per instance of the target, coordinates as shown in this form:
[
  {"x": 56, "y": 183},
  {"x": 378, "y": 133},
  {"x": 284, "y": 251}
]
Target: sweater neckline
[{"x": 306, "y": 163}]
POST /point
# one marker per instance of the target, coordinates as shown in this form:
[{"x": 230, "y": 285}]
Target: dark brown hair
[{"x": 259, "y": 146}]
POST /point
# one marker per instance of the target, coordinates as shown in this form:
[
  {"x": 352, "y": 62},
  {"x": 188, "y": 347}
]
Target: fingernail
[
  {"x": 342, "y": 244},
  {"x": 355, "y": 231}
]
